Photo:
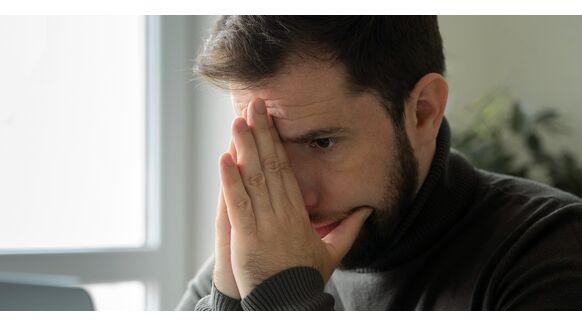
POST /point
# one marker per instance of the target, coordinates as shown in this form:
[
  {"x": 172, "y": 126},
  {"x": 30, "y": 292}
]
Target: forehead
[{"x": 300, "y": 90}]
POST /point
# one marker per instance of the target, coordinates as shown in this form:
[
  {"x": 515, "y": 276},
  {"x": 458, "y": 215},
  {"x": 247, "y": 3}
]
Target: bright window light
[{"x": 72, "y": 132}]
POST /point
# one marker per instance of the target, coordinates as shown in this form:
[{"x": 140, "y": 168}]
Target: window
[
  {"x": 82, "y": 156},
  {"x": 72, "y": 133}
]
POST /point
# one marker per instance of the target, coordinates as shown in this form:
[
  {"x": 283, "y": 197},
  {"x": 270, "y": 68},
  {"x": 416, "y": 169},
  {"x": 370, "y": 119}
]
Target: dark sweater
[{"x": 472, "y": 240}]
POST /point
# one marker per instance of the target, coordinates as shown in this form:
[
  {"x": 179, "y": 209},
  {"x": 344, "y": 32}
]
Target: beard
[{"x": 400, "y": 187}]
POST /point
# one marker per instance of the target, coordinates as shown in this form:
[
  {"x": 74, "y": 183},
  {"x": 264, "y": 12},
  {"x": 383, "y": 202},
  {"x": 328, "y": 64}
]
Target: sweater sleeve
[
  {"x": 202, "y": 294},
  {"x": 298, "y": 288},
  {"x": 217, "y": 301},
  {"x": 200, "y": 286}
]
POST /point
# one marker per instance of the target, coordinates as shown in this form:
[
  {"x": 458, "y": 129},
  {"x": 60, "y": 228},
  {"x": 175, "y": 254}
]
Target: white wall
[{"x": 537, "y": 58}]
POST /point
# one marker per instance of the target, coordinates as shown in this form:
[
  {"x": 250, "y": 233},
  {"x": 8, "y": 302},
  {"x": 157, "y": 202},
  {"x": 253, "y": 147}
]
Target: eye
[{"x": 323, "y": 144}]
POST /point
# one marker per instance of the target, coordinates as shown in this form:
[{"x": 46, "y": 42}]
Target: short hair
[{"x": 386, "y": 55}]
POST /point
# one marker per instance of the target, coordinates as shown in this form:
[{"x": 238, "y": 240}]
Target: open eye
[{"x": 324, "y": 144}]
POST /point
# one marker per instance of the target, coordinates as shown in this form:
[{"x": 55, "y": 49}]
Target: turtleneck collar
[{"x": 440, "y": 202}]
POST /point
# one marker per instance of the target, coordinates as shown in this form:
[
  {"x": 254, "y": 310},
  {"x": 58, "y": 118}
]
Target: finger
[
  {"x": 251, "y": 171},
  {"x": 288, "y": 177},
  {"x": 223, "y": 277},
  {"x": 238, "y": 204},
  {"x": 259, "y": 124},
  {"x": 222, "y": 241},
  {"x": 232, "y": 151},
  {"x": 340, "y": 240}
]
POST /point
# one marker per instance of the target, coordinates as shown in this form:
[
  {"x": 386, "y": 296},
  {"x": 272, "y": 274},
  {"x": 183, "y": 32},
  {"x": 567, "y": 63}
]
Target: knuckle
[
  {"x": 285, "y": 167},
  {"x": 244, "y": 205},
  {"x": 256, "y": 180},
  {"x": 271, "y": 163}
]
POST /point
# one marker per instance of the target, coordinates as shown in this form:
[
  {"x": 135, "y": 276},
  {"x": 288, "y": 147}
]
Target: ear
[{"x": 425, "y": 109}]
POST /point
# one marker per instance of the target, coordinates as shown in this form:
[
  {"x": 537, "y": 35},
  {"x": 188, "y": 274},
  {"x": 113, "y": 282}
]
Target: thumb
[{"x": 340, "y": 240}]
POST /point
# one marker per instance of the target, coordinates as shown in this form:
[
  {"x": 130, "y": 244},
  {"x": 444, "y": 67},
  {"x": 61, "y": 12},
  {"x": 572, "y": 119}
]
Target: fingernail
[{"x": 260, "y": 107}]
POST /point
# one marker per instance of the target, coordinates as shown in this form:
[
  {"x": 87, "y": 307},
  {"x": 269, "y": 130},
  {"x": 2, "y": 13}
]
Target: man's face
[{"x": 344, "y": 150}]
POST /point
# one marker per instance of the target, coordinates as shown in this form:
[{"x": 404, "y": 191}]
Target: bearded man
[{"x": 340, "y": 190}]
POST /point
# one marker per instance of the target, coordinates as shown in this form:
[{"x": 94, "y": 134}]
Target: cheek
[
  {"x": 349, "y": 190},
  {"x": 360, "y": 181},
  {"x": 357, "y": 177}
]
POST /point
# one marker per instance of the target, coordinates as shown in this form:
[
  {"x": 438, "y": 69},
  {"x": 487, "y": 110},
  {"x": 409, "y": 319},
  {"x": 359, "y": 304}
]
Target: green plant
[{"x": 502, "y": 137}]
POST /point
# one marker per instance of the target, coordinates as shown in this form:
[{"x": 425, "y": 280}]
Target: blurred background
[{"x": 109, "y": 145}]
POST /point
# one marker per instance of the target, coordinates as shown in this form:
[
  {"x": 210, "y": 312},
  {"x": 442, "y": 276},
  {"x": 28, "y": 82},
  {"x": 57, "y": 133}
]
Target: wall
[{"x": 537, "y": 58}]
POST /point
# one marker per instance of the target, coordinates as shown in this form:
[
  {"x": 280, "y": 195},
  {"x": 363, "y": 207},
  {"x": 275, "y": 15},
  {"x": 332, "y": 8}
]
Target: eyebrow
[{"x": 312, "y": 135}]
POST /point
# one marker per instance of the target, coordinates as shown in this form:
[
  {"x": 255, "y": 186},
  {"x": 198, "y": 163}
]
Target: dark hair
[{"x": 383, "y": 54}]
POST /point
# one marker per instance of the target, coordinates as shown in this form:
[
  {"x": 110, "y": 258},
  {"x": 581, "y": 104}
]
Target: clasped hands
[{"x": 262, "y": 225}]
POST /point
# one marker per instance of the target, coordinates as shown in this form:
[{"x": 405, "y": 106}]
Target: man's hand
[
  {"x": 270, "y": 228},
  {"x": 223, "y": 277}
]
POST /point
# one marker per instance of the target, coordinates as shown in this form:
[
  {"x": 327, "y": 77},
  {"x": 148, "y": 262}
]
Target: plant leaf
[{"x": 518, "y": 118}]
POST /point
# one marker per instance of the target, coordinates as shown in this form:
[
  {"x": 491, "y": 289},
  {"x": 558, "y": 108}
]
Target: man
[{"x": 340, "y": 190}]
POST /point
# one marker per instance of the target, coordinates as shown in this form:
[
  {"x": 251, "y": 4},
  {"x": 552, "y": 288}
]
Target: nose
[{"x": 308, "y": 182}]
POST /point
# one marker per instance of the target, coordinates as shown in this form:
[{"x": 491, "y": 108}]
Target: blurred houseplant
[{"x": 502, "y": 137}]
